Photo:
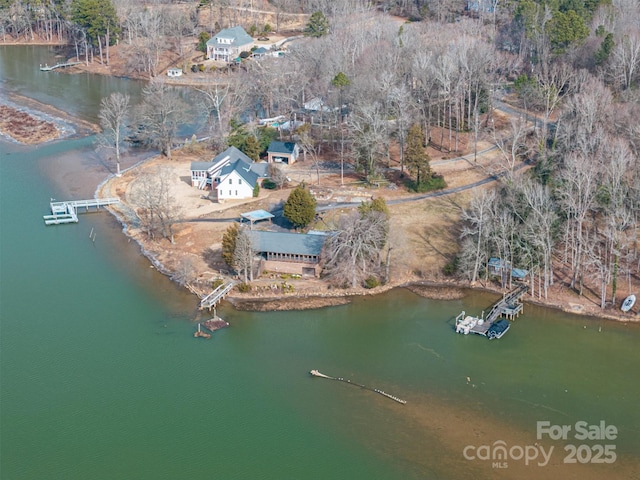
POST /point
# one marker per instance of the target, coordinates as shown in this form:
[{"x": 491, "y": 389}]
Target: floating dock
[
  {"x": 510, "y": 306},
  {"x": 67, "y": 212},
  {"x": 316, "y": 373}
]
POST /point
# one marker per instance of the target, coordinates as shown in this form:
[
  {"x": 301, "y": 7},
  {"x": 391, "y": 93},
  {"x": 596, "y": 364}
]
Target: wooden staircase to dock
[
  {"x": 211, "y": 300},
  {"x": 506, "y": 303}
]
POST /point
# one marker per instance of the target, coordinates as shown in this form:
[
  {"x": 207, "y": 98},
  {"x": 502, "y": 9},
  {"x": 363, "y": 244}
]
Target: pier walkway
[
  {"x": 67, "y": 212},
  {"x": 211, "y": 300},
  {"x": 47, "y": 68},
  {"x": 510, "y": 305}
]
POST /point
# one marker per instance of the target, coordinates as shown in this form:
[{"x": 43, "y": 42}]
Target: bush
[
  {"x": 451, "y": 267},
  {"x": 216, "y": 283},
  {"x": 244, "y": 287},
  {"x": 436, "y": 182},
  {"x": 245, "y": 54},
  {"x": 269, "y": 184},
  {"x": 256, "y": 191},
  {"x": 371, "y": 282}
]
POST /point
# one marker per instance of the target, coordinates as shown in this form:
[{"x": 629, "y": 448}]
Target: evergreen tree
[
  {"x": 203, "y": 38},
  {"x": 318, "y": 25},
  {"x": 416, "y": 157},
  {"x": 300, "y": 207},
  {"x": 376, "y": 205},
  {"x": 252, "y": 148},
  {"x": 98, "y": 18},
  {"x": 229, "y": 239}
]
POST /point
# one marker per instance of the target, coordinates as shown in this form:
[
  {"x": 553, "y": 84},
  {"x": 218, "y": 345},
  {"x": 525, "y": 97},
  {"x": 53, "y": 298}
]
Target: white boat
[{"x": 628, "y": 303}]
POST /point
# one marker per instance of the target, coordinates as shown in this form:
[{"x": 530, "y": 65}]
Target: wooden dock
[
  {"x": 509, "y": 306},
  {"x": 316, "y": 373},
  {"x": 67, "y": 212},
  {"x": 47, "y": 68},
  {"x": 211, "y": 300}
]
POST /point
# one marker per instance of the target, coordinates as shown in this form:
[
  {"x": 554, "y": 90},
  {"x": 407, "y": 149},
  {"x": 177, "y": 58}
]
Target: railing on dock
[
  {"x": 506, "y": 304},
  {"x": 67, "y": 212},
  {"x": 214, "y": 297}
]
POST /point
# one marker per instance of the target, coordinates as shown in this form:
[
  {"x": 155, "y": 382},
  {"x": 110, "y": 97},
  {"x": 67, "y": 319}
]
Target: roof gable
[
  {"x": 236, "y": 34},
  {"x": 242, "y": 169}
]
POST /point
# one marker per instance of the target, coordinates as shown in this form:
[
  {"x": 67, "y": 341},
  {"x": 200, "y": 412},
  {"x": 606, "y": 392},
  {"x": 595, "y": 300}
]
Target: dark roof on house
[
  {"x": 243, "y": 169},
  {"x": 284, "y": 242},
  {"x": 233, "y": 154},
  {"x": 237, "y": 35},
  {"x": 281, "y": 147},
  {"x": 260, "y": 51},
  {"x": 200, "y": 166}
]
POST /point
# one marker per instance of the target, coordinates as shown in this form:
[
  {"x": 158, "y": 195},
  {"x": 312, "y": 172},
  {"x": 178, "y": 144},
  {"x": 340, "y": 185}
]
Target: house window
[
  {"x": 239, "y": 181},
  {"x": 229, "y": 192},
  {"x": 236, "y": 193},
  {"x": 230, "y": 181}
]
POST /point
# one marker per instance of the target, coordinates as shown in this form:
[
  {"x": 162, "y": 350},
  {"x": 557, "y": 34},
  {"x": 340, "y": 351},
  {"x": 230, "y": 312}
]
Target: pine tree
[
  {"x": 229, "y": 239},
  {"x": 416, "y": 157},
  {"x": 300, "y": 207},
  {"x": 318, "y": 25}
]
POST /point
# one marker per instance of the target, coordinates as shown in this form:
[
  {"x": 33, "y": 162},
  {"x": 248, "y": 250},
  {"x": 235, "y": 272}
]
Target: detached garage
[{"x": 283, "y": 152}]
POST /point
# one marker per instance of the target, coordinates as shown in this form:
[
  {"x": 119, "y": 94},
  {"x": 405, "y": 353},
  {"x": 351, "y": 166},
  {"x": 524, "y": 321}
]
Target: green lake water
[{"x": 101, "y": 378}]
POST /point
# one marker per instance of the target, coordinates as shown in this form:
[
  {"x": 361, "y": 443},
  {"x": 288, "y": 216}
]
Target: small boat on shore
[{"x": 628, "y": 303}]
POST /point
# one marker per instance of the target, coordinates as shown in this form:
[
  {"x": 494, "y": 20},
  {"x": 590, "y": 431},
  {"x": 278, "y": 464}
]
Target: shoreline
[{"x": 323, "y": 296}]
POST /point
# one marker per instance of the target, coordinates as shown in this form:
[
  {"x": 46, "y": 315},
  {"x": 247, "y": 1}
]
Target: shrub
[
  {"x": 216, "y": 283},
  {"x": 451, "y": 267},
  {"x": 371, "y": 282},
  {"x": 244, "y": 287},
  {"x": 269, "y": 184},
  {"x": 256, "y": 190}
]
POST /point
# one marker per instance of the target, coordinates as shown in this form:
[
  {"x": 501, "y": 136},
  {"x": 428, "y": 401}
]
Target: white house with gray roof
[
  {"x": 231, "y": 174},
  {"x": 228, "y": 44}
]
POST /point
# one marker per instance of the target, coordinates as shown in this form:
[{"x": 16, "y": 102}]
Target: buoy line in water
[{"x": 316, "y": 373}]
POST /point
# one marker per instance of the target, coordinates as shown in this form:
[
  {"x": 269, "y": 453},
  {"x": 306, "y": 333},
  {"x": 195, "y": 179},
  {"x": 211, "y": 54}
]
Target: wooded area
[{"x": 431, "y": 76}]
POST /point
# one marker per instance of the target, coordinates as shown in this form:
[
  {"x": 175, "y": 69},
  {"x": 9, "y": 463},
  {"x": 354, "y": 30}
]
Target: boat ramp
[
  {"x": 67, "y": 212},
  {"x": 510, "y": 306}
]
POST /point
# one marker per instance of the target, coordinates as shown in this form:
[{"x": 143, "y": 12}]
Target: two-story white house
[
  {"x": 228, "y": 44},
  {"x": 231, "y": 174}
]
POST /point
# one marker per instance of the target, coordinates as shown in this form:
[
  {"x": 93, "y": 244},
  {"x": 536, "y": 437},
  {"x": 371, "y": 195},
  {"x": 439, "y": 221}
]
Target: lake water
[{"x": 101, "y": 378}]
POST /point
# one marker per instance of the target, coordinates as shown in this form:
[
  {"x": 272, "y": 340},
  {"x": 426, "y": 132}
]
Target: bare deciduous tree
[
  {"x": 243, "y": 255},
  {"x": 113, "y": 113},
  {"x": 353, "y": 252},
  {"x": 158, "y": 209},
  {"x": 160, "y": 114}
]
